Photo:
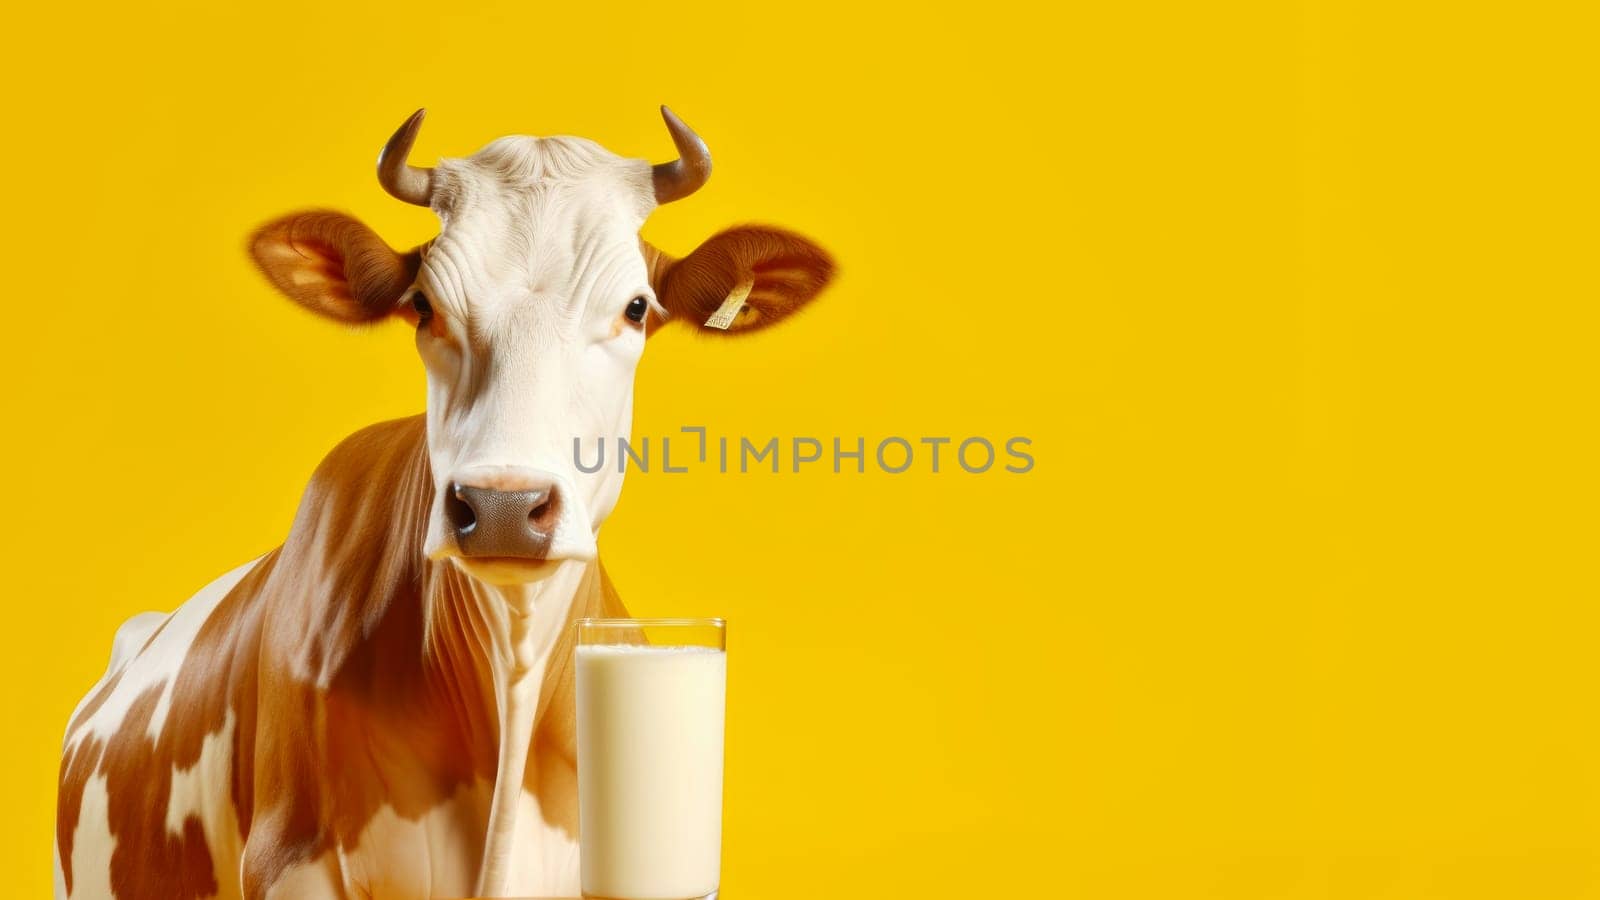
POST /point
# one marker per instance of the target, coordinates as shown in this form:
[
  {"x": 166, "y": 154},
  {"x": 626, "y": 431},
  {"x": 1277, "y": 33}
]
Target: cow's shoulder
[
  {"x": 341, "y": 652},
  {"x": 354, "y": 552}
]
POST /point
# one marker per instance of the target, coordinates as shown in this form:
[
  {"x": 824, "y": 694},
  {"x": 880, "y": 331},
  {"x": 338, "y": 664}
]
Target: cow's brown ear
[
  {"x": 333, "y": 265},
  {"x": 781, "y": 271}
]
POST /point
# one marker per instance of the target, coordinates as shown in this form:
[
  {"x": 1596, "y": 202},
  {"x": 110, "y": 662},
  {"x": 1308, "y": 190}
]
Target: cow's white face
[
  {"x": 532, "y": 307},
  {"x": 530, "y": 310}
]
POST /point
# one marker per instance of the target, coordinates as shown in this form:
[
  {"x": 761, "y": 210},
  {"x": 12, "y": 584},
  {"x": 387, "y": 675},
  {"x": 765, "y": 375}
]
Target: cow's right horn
[{"x": 402, "y": 180}]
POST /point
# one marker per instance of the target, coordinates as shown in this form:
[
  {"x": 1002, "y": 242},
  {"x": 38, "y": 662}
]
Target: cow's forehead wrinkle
[
  {"x": 508, "y": 238},
  {"x": 474, "y": 268}
]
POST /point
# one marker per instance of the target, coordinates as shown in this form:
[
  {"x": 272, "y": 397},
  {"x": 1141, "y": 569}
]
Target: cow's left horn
[
  {"x": 684, "y": 175},
  {"x": 402, "y": 180}
]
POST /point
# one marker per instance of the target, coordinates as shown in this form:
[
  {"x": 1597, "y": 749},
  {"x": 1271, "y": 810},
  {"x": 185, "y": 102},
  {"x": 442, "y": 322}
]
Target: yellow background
[{"x": 1297, "y": 303}]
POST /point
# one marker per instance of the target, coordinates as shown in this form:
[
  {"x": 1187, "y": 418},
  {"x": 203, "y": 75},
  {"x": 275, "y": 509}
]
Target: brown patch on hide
[
  {"x": 76, "y": 769},
  {"x": 148, "y": 862}
]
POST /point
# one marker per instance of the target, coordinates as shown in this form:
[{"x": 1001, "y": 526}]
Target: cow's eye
[
  {"x": 637, "y": 308},
  {"x": 419, "y": 302}
]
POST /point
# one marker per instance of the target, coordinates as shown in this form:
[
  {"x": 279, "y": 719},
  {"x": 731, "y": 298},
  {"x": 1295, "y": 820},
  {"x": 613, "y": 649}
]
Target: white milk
[{"x": 650, "y": 770}]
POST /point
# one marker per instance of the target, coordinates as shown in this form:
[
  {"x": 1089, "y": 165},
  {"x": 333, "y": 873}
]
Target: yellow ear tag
[{"x": 730, "y": 307}]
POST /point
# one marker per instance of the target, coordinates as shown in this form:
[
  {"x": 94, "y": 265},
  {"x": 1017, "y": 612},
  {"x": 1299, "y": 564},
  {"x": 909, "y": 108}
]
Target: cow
[{"x": 382, "y": 706}]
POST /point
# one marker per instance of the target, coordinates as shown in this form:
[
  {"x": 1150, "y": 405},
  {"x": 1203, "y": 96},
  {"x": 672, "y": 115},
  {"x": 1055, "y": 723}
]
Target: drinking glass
[{"x": 651, "y": 701}]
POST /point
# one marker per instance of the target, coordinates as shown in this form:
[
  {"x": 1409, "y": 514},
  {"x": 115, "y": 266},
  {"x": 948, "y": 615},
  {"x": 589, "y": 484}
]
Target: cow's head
[{"x": 531, "y": 309}]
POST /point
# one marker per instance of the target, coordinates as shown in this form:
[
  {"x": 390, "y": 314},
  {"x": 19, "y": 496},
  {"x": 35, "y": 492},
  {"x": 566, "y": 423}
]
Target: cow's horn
[
  {"x": 401, "y": 179},
  {"x": 684, "y": 175}
]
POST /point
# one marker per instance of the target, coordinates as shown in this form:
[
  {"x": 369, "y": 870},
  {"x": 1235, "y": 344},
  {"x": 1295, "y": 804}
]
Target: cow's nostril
[
  {"x": 542, "y": 517},
  {"x": 462, "y": 517}
]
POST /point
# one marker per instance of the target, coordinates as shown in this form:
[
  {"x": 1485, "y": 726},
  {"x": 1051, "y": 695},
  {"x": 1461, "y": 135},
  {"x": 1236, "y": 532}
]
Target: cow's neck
[{"x": 503, "y": 641}]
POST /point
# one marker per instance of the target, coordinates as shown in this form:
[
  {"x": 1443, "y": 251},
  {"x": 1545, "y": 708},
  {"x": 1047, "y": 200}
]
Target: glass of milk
[{"x": 651, "y": 696}]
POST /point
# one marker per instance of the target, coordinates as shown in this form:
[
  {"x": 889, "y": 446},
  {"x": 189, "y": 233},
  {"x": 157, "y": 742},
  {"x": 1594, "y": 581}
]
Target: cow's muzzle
[{"x": 492, "y": 522}]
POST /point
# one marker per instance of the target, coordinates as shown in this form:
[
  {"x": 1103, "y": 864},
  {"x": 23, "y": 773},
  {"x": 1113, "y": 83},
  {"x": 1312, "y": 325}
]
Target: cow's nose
[{"x": 492, "y": 522}]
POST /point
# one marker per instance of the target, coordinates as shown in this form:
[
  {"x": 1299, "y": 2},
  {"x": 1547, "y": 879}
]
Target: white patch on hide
[
  {"x": 204, "y": 791},
  {"x": 92, "y": 842}
]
